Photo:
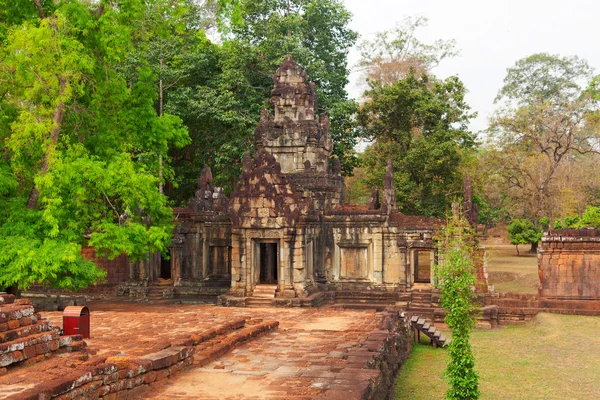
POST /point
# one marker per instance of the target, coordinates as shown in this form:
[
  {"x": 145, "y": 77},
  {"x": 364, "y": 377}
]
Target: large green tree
[
  {"x": 420, "y": 123},
  {"x": 225, "y": 86},
  {"x": 79, "y": 138},
  {"x": 545, "y": 129}
]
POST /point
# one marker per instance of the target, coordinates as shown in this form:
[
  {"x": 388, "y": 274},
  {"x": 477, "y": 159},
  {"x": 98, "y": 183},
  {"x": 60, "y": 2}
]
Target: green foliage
[
  {"x": 489, "y": 214},
  {"x": 221, "y": 89},
  {"x": 589, "y": 219},
  {"x": 545, "y": 77},
  {"x": 79, "y": 123},
  {"x": 420, "y": 124},
  {"x": 455, "y": 275},
  {"x": 567, "y": 223},
  {"x": 543, "y": 134},
  {"x": 522, "y": 231}
]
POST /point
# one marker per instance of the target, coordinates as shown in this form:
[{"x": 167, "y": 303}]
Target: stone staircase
[
  {"x": 262, "y": 296},
  {"x": 423, "y": 301},
  {"x": 361, "y": 300},
  {"x": 421, "y": 325},
  {"x": 26, "y": 338}
]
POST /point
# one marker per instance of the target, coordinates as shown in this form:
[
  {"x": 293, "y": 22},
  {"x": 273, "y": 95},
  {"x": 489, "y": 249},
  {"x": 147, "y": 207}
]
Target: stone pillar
[{"x": 389, "y": 190}]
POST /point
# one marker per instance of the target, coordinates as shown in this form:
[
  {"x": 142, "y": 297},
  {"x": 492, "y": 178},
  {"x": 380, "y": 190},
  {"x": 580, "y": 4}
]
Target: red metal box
[{"x": 76, "y": 321}]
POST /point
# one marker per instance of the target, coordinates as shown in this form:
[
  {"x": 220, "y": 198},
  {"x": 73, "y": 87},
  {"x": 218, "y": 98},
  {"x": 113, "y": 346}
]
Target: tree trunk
[
  {"x": 38, "y": 4},
  {"x": 34, "y": 195},
  {"x": 160, "y": 113},
  {"x": 517, "y": 246},
  {"x": 534, "y": 247}
]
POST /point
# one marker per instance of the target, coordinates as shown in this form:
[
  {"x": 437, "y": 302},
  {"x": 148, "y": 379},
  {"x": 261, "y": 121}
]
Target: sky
[{"x": 491, "y": 36}]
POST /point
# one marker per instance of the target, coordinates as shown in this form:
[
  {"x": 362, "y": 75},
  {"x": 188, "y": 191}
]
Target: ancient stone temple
[{"x": 286, "y": 233}]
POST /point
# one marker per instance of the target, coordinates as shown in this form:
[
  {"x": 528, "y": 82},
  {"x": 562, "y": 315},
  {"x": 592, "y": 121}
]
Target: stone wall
[
  {"x": 518, "y": 308},
  {"x": 569, "y": 264},
  {"x": 116, "y": 269}
]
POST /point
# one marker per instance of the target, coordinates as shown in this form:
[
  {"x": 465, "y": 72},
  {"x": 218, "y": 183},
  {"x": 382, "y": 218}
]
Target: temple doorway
[
  {"x": 422, "y": 266},
  {"x": 268, "y": 262},
  {"x": 165, "y": 268}
]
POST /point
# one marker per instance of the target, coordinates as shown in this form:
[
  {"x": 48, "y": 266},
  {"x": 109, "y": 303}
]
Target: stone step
[
  {"x": 24, "y": 331},
  {"x": 357, "y": 300},
  {"x": 216, "y": 347},
  {"x": 359, "y": 306},
  {"x": 419, "y": 304},
  {"x": 436, "y": 336},
  {"x": 420, "y": 295},
  {"x": 266, "y": 288},
  {"x": 263, "y": 296},
  {"x": 6, "y": 298},
  {"x": 259, "y": 302},
  {"x": 15, "y": 311},
  {"x": 421, "y": 310}
]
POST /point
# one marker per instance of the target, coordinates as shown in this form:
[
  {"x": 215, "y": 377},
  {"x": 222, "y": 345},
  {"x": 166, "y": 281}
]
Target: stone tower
[{"x": 292, "y": 134}]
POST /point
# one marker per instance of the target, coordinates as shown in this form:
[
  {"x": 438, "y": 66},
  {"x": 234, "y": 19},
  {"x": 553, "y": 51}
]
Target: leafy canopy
[
  {"x": 545, "y": 127},
  {"x": 222, "y": 88},
  {"x": 522, "y": 231},
  {"x": 420, "y": 123},
  {"x": 83, "y": 132}
]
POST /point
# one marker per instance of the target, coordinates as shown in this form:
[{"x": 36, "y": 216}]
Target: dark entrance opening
[
  {"x": 268, "y": 262},
  {"x": 422, "y": 263},
  {"x": 165, "y": 267}
]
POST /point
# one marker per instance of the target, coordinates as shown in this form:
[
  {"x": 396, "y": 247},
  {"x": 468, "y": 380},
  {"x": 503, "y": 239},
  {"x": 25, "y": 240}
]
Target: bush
[{"x": 522, "y": 231}]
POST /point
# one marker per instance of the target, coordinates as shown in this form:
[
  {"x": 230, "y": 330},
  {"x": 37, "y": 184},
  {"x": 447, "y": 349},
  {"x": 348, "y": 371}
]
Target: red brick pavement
[{"x": 308, "y": 356}]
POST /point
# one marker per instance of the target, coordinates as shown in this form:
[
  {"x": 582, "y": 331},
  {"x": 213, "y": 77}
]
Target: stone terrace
[
  {"x": 313, "y": 353},
  {"x": 320, "y": 358}
]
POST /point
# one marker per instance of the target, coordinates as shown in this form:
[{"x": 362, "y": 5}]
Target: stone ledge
[{"x": 128, "y": 378}]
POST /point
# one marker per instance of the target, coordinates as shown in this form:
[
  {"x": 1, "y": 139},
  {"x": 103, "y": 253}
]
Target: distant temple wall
[{"x": 569, "y": 264}]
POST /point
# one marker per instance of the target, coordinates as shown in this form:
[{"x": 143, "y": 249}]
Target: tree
[
  {"x": 589, "y": 219},
  {"x": 420, "y": 123},
  {"x": 392, "y": 55},
  {"x": 549, "y": 118},
  {"x": 81, "y": 133},
  {"x": 455, "y": 275},
  {"x": 225, "y": 86},
  {"x": 524, "y": 232}
]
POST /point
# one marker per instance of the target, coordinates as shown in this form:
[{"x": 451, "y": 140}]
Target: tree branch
[{"x": 38, "y": 4}]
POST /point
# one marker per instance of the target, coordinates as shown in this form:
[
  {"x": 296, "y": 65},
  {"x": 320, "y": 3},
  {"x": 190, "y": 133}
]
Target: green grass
[
  {"x": 509, "y": 272},
  {"x": 552, "y": 357},
  {"x": 420, "y": 377}
]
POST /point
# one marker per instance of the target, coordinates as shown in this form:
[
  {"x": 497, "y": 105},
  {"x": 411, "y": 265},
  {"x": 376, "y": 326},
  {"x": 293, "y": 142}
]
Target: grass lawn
[
  {"x": 552, "y": 357},
  {"x": 509, "y": 272}
]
